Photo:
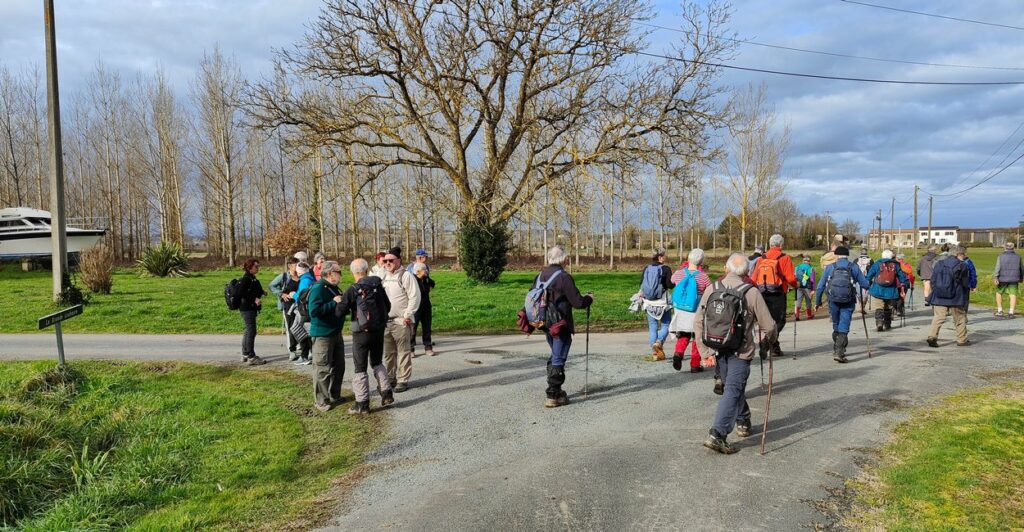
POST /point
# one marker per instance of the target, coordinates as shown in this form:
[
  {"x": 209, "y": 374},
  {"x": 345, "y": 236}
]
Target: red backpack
[
  {"x": 766, "y": 276},
  {"x": 886, "y": 274}
]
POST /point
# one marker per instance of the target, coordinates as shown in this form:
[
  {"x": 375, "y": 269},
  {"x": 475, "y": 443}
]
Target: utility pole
[
  {"x": 828, "y": 234},
  {"x": 878, "y": 218},
  {"x": 892, "y": 223},
  {"x": 917, "y": 229},
  {"x": 58, "y": 229},
  {"x": 929, "y": 240}
]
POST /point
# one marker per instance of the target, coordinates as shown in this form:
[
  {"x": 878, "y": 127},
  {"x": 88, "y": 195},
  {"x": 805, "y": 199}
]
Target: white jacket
[{"x": 404, "y": 293}]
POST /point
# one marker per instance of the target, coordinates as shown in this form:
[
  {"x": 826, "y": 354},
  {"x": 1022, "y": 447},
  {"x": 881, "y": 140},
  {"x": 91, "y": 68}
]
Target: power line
[
  {"x": 982, "y": 22},
  {"x": 832, "y": 54},
  {"x": 993, "y": 154},
  {"x": 742, "y": 68},
  {"x": 983, "y": 181}
]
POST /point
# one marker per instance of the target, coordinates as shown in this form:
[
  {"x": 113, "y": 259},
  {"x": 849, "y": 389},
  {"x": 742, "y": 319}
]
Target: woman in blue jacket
[{"x": 885, "y": 288}]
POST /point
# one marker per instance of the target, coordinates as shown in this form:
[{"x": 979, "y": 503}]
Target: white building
[{"x": 940, "y": 235}]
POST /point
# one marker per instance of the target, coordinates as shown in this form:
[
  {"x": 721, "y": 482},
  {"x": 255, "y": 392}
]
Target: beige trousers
[
  {"x": 939, "y": 315},
  {"x": 397, "y": 351}
]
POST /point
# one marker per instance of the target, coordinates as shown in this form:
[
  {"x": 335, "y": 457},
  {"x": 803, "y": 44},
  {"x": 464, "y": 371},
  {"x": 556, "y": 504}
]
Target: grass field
[
  {"x": 168, "y": 446},
  {"x": 958, "y": 465},
  {"x": 195, "y": 304}
]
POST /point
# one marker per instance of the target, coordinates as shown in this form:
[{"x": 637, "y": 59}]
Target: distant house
[
  {"x": 996, "y": 236},
  {"x": 946, "y": 234},
  {"x": 900, "y": 238}
]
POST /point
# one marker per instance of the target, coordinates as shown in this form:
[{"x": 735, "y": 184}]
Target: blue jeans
[
  {"x": 732, "y": 408},
  {"x": 559, "y": 348},
  {"x": 658, "y": 329},
  {"x": 842, "y": 315}
]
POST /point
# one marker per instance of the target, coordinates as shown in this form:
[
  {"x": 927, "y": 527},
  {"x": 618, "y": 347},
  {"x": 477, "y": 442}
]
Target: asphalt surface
[{"x": 471, "y": 446}]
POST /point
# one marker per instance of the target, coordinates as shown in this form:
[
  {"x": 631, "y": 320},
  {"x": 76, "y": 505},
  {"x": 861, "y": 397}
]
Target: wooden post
[{"x": 58, "y": 229}]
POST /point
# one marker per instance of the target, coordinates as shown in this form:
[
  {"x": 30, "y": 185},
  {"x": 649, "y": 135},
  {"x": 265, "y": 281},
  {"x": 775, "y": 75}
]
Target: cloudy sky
[{"x": 854, "y": 146}]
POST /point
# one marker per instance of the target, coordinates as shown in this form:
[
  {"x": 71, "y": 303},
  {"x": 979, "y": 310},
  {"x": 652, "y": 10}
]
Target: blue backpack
[
  {"x": 840, "y": 285},
  {"x": 651, "y": 286},
  {"x": 684, "y": 295},
  {"x": 538, "y": 305}
]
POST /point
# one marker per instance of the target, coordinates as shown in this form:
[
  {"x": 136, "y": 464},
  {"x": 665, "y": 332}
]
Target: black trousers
[
  {"x": 777, "y": 308},
  {"x": 367, "y": 350},
  {"x": 423, "y": 317},
  {"x": 249, "y": 335}
]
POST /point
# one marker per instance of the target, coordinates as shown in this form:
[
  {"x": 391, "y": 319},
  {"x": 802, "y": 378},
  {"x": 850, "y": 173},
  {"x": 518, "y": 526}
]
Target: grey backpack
[{"x": 725, "y": 317}]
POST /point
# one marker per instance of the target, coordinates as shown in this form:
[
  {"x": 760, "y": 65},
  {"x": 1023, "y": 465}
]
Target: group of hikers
[{"x": 386, "y": 305}]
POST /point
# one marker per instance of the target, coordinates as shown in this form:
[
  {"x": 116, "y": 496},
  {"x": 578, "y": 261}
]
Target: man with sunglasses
[{"x": 404, "y": 294}]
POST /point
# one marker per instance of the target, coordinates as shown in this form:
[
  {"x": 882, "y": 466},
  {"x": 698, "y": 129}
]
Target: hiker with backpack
[
  {"x": 805, "y": 287},
  {"x": 549, "y": 306},
  {"x": 282, "y": 287},
  {"x": 924, "y": 271},
  {"x": 885, "y": 277},
  {"x": 655, "y": 284},
  {"x": 830, "y": 257},
  {"x": 950, "y": 282},
  {"x": 690, "y": 282},
  {"x": 839, "y": 282},
  {"x": 404, "y": 294},
  {"x": 367, "y": 306},
  {"x": 724, "y": 325},
  {"x": 1007, "y": 275},
  {"x": 905, "y": 290},
  {"x": 865, "y": 262},
  {"x": 326, "y": 322},
  {"x": 300, "y": 314},
  {"x": 248, "y": 292},
  {"x": 773, "y": 274},
  {"x": 425, "y": 314}
]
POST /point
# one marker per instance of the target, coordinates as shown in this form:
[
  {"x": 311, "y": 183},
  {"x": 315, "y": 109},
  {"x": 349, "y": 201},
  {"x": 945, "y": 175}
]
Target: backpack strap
[{"x": 544, "y": 284}]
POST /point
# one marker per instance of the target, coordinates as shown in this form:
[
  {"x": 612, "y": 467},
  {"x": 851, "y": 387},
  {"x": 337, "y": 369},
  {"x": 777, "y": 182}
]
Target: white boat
[{"x": 25, "y": 232}]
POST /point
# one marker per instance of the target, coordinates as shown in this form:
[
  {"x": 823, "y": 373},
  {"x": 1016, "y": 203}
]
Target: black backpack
[
  {"x": 840, "y": 286},
  {"x": 303, "y": 303},
  {"x": 371, "y": 306},
  {"x": 230, "y": 298},
  {"x": 725, "y": 317}
]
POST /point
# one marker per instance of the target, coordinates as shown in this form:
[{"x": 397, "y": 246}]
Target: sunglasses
[{"x": 389, "y": 260}]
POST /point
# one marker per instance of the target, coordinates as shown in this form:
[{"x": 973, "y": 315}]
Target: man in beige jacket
[
  {"x": 734, "y": 367},
  {"x": 404, "y": 294}
]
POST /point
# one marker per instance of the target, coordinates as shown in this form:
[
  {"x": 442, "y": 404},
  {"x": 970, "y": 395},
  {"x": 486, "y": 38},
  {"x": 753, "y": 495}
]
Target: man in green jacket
[{"x": 326, "y": 321}]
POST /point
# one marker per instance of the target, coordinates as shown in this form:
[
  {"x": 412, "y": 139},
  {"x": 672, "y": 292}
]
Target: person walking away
[
  {"x": 865, "y": 262},
  {"x": 830, "y": 257},
  {"x": 840, "y": 282},
  {"x": 425, "y": 314},
  {"x": 727, "y": 334},
  {"x": 805, "y": 287},
  {"x": 924, "y": 271},
  {"x": 378, "y": 270},
  {"x": 754, "y": 257},
  {"x": 885, "y": 277},
  {"x": 690, "y": 281},
  {"x": 773, "y": 274},
  {"x": 367, "y": 306},
  {"x": 950, "y": 285},
  {"x": 972, "y": 278},
  {"x": 1008, "y": 273},
  {"x": 562, "y": 291},
  {"x": 318, "y": 264},
  {"x": 655, "y": 284},
  {"x": 249, "y": 293},
  {"x": 326, "y": 321},
  {"x": 282, "y": 287},
  {"x": 300, "y": 311},
  {"x": 908, "y": 272},
  {"x": 404, "y": 295}
]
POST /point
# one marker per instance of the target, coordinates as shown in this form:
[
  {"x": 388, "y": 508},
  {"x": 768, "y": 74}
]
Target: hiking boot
[
  {"x": 880, "y": 328},
  {"x": 401, "y": 387},
  {"x": 1000, "y": 315},
  {"x": 301, "y": 361},
  {"x": 387, "y": 398},
  {"x": 810, "y": 314},
  {"x": 933, "y": 342},
  {"x": 338, "y": 401},
  {"x": 292, "y": 355},
  {"x": 743, "y": 430},
  {"x": 718, "y": 444},
  {"x": 659, "y": 353},
  {"x": 965, "y": 343},
  {"x": 561, "y": 399},
  {"x": 1010, "y": 316},
  {"x": 840, "y": 358},
  {"x": 245, "y": 359},
  {"x": 430, "y": 352},
  {"x": 696, "y": 369},
  {"x": 360, "y": 408},
  {"x": 256, "y": 361},
  {"x": 719, "y": 385},
  {"x": 677, "y": 361},
  {"x": 322, "y": 407}
]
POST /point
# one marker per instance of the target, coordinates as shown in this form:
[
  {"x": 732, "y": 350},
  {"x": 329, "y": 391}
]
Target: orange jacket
[{"x": 785, "y": 267}]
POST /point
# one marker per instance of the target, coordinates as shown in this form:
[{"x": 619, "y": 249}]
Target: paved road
[{"x": 471, "y": 446}]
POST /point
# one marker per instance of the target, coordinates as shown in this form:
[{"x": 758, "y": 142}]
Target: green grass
[
  {"x": 167, "y": 446},
  {"x": 958, "y": 465}
]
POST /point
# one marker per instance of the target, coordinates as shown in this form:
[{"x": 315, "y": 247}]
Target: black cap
[
  {"x": 843, "y": 251},
  {"x": 396, "y": 251}
]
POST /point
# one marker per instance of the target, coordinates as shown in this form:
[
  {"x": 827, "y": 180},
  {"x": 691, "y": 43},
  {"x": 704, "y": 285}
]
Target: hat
[
  {"x": 842, "y": 251},
  {"x": 328, "y": 267},
  {"x": 421, "y": 253},
  {"x": 759, "y": 249},
  {"x": 301, "y": 255},
  {"x": 839, "y": 238},
  {"x": 396, "y": 251}
]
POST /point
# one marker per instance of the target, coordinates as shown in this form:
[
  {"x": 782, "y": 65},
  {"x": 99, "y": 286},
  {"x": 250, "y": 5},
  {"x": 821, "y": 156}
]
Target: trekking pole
[
  {"x": 586, "y": 358},
  {"x": 795, "y": 321},
  {"x": 864, "y": 320},
  {"x": 767, "y": 404}
]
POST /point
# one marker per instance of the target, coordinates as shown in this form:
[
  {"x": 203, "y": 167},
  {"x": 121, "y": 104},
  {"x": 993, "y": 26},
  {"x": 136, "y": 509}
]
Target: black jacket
[
  {"x": 426, "y": 285},
  {"x": 567, "y": 296},
  {"x": 248, "y": 290},
  {"x": 666, "y": 275}
]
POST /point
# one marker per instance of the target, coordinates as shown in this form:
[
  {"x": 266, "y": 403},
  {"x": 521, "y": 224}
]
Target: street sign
[
  {"x": 58, "y": 317},
  {"x": 55, "y": 319}
]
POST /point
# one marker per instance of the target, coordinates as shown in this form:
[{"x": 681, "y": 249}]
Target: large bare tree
[{"x": 502, "y": 98}]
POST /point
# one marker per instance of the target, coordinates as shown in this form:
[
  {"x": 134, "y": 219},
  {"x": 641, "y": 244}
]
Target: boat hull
[{"x": 40, "y": 244}]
